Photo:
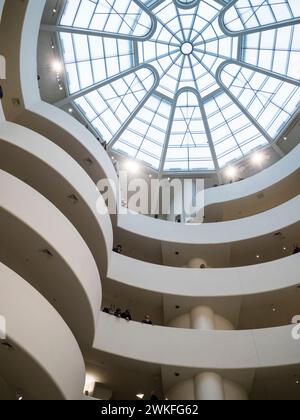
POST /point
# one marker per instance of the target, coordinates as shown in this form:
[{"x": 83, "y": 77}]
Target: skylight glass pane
[
  {"x": 91, "y": 59},
  {"x": 197, "y": 26},
  {"x": 277, "y": 50},
  {"x": 251, "y": 14}
]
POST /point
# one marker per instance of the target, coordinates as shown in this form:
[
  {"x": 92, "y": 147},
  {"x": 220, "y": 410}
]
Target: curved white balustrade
[
  {"x": 165, "y": 346},
  {"x": 39, "y": 241},
  {"x": 45, "y": 361},
  {"x": 27, "y": 155},
  {"x": 214, "y": 233},
  {"x": 237, "y": 281},
  {"x": 226, "y": 282}
]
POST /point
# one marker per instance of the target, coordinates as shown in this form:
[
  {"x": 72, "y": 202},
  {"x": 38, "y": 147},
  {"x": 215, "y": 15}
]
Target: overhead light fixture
[
  {"x": 57, "y": 66},
  {"x": 258, "y": 158},
  {"x": 140, "y": 396},
  {"x": 70, "y": 110},
  {"x": 274, "y": 308}
]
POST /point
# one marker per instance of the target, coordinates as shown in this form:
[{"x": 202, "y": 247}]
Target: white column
[
  {"x": 209, "y": 387},
  {"x": 202, "y": 318}
]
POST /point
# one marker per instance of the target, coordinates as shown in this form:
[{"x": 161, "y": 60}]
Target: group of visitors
[{"x": 126, "y": 314}]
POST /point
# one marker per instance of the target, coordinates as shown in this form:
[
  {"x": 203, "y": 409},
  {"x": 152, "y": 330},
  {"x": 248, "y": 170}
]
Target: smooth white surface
[
  {"x": 207, "y": 386},
  {"x": 262, "y": 278},
  {"x": 48, "y": 119},
  {"x": 46, "y": 362},
  {"x": 207, "y": 350},
  {"x": 214, "y": 233},
  {"x": 25, "y": 154},
  {"x": 40, "y": 216},
  {"x": 202, "y": 318}
]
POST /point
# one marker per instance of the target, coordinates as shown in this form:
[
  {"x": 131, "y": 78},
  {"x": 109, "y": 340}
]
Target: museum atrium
[{"x": 141, "y": 304}]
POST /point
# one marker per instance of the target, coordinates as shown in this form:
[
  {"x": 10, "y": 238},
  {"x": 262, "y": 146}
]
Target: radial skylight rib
[
  {"x": 167, "y": 82},
  {"x": 188, "y": 147},
  {"x": 276, "y": 50},
  {"x": 232, "y": 132},
  {"x": 110, "y": 107},
  {"x": 89, "y": 59}
]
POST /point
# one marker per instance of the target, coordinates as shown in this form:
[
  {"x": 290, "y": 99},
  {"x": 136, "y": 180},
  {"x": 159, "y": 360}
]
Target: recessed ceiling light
[
  {"x": 231, "y": 172},
  {"x": 258, "y": 256},
  {"x": 274, "y": 308},
  {"x": 258, "y": 158},
  {"x": 57, "y": 66}
]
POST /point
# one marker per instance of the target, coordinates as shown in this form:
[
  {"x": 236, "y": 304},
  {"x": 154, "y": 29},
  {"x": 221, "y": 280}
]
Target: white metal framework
[{"x": 183, "y": 85}]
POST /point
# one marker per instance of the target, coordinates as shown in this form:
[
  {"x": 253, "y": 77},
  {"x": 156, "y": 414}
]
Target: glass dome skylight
[{"x": 183, "y": 85}]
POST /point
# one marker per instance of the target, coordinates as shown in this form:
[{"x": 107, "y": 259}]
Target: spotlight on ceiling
[
  {"x": 57, "y": 66},
  {"x": 132, "y": 166},
  {"x": 231, "y": 172},
  {"x": 140, "y": 396},
  {"x": 258, "y": 158}
]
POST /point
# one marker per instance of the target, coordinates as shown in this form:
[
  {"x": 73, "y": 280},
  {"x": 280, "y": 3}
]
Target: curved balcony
[
  {"x": 226, "y": 282},
  {"x": 36, "y": 365},
  {"x": 244, "y": 229},
  {"x": 31, "y": 157}
]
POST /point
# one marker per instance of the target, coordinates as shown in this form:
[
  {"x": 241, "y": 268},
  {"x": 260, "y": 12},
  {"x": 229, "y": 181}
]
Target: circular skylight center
[{"x": 187, "y": 48}]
